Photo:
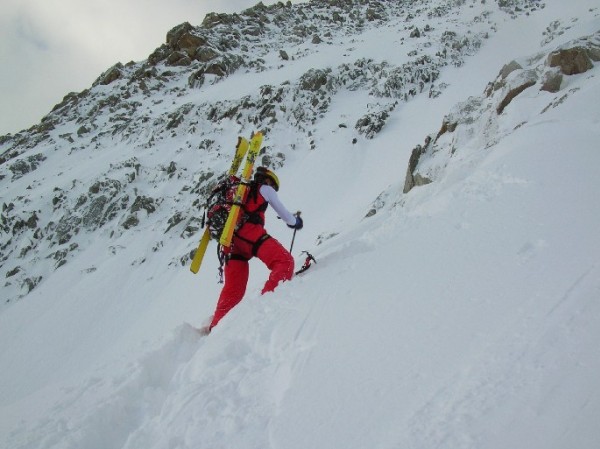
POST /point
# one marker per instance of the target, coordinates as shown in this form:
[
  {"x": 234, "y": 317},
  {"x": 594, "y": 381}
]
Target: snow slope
[{"x": 464, "y": 314}]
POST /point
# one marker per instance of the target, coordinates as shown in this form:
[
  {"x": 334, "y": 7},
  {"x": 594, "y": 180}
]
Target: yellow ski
[
  {"x": 240, "y": 152},
  {"x": 242, "y": 190},
  {"x": 199, "y": 255}
]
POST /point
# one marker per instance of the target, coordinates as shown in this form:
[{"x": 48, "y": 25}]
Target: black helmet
[{"x": 263, "y": 173}]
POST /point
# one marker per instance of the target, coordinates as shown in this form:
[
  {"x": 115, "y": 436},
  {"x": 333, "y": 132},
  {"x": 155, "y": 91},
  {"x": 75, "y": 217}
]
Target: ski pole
[{"x": 297, "y": 214}]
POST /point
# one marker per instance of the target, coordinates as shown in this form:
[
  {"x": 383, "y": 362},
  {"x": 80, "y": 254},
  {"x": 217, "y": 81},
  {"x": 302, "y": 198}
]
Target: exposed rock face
[
  {"x": 175, "y": 34},
  {"x": 190, "y": 43},
  {"x": 509, "y": 68},
  {"x": 178, "y": 58},
  {"x": 314, "y": 79},
  {"x": 511, "y": 81},
  {"x": 111, "y": 75},
  {"x": 23, "y": 166},
  {"x": 413, "y": 178},
  {"x": 186, "y": 44},
  {"x": 482, "y": 114},
  {"x": 571, "y": 61},
  {"x": 372, "y": 123},
  {"x": 515, "y": 85},
  {"x": 552, "y": 81}
]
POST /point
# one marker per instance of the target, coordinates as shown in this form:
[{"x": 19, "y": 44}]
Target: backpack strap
[{"x": 253, "y": 216}]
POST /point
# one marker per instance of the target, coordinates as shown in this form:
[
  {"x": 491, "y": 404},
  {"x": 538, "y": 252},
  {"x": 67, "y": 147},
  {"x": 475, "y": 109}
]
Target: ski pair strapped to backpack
[{"x": 250, "y": 151}]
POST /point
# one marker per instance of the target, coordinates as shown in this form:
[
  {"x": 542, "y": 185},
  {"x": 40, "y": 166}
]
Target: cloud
[{"x": 49, "y": 48}]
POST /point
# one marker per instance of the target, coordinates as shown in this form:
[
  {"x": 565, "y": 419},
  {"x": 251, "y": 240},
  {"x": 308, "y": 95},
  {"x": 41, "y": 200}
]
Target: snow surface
[{"x": 465, "y": 314}]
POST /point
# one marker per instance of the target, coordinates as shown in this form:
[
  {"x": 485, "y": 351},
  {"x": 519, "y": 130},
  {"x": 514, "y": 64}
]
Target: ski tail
[{"x": 200, "y": 251}]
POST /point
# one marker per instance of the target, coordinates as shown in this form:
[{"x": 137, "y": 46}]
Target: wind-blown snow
[{"x": 464, "y": 314}]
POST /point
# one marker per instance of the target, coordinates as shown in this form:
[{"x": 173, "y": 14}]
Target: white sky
[{"x": 49, "y": 48}]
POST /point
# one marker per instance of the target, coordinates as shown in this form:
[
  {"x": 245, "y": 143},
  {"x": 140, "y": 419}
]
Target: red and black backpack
[{"x": 222, "y": 198}]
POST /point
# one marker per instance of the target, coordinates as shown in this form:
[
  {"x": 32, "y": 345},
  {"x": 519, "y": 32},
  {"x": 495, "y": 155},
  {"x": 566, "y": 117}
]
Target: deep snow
[{"x": 464, "y": 314}]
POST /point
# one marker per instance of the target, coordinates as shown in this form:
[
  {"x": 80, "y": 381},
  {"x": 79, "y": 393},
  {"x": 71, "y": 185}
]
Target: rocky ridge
[{"x": 127, "y": 121}]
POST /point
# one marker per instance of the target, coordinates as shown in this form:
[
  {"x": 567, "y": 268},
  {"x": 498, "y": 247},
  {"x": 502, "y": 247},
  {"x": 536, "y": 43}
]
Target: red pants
[{"x": 271, "y": 253}]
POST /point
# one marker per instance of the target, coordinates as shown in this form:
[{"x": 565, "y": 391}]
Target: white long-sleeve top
[{"x": 270, "y": 195}]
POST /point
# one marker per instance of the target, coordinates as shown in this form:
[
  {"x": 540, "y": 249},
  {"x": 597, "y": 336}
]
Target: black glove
[{"x": 299, "y": 224}]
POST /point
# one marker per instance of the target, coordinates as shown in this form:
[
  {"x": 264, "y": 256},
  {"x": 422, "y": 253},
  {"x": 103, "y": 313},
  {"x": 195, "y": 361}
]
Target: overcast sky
[{"x": 49, "y": 48}]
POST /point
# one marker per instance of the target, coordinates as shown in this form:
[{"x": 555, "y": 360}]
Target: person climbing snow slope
[{"x": 252, "y": 240}]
